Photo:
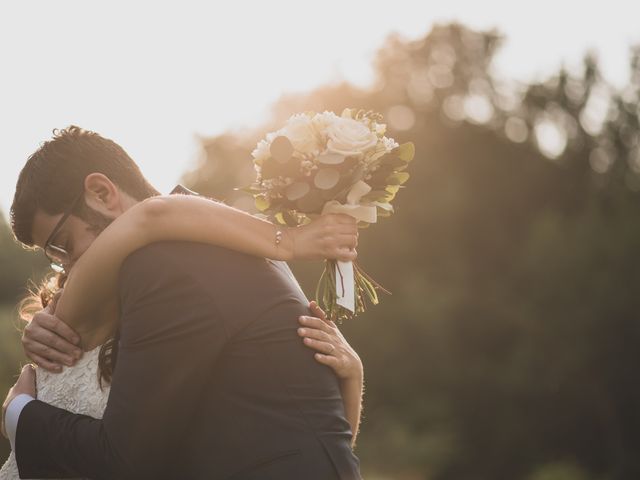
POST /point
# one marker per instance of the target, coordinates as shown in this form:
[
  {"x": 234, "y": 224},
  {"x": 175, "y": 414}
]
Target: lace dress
[{"x": 75, "y": 389}]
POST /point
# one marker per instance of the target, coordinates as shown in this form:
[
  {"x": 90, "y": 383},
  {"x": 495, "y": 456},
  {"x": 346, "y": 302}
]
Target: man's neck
[{"x": 126, "y": 201}]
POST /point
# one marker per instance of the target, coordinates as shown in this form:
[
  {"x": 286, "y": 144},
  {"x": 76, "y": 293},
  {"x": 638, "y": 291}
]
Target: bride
[{"x": 87, "y": 303}]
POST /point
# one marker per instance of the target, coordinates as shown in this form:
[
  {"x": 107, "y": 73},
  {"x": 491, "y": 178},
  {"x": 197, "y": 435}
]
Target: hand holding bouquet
[{"x": 322, "y": 163}]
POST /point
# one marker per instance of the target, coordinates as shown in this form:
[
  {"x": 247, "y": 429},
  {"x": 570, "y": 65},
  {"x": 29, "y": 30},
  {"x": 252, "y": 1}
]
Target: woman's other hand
[
  {"x": 49, "y": 342},
  {"x": 332, "y": 348},
  {"x": 332, "y": 236},
  {"x": 25, "y": 385}
]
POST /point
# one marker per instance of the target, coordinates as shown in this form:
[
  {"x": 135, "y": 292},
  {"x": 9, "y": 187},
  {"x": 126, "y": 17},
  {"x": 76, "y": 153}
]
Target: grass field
[{"x": 11, "y": 359}]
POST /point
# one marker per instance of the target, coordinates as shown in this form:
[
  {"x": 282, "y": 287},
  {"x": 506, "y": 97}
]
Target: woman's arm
[
  {"x": 196, "y": 219},
  {"x": 334, "y": 351}
]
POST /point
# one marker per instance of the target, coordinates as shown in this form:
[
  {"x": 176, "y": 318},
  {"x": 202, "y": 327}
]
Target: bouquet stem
[{"x": 365, "y": 289}]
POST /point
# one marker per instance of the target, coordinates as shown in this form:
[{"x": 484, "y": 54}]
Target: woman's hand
[
  {"x": 332, "y": 349},
  {"x": 333, "y": 236},
  {"x": 49, "y": 342},
  {"x": 26, "y": 384}
]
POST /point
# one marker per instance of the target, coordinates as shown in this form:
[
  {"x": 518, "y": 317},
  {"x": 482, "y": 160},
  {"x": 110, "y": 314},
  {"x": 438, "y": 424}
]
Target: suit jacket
[{"x": 212, "y": 381}]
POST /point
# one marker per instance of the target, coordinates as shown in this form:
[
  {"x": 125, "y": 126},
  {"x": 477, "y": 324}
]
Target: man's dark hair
[{"x": 54, "y": 175}]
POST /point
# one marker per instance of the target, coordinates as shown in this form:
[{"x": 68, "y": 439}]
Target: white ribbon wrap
[{"x": 345, "y": 282}]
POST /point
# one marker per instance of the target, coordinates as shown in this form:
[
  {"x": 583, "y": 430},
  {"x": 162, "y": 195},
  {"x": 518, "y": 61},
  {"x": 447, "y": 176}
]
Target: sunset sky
[{"x": 155, "y": 75}]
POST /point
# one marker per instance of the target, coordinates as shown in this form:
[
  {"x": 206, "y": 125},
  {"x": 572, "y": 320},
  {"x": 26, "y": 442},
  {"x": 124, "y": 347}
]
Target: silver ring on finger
[{"x": 333, "y": 347}]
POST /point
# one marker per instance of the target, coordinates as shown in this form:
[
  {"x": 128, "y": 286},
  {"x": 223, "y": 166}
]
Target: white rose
[
  {"x": 262, "y": 150},
  {"x": 300, "y": 131},
  {"x": 321, "y": 122},
  {"x": 350, "y": 137}
]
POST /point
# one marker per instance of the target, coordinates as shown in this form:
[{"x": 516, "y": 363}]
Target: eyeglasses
[{"x": 58, "y": 256}]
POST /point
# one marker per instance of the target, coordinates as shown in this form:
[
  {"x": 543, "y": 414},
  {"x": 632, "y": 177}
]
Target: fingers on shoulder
[
  {"x": 47, "y": 321},
  {"x": 317, "y": 311},
  {"x": 328, "y": 360},
  {"x": 44, "y": 363},
  {"x": 319, "y": 345},
  {"x": 317, "y": 323}
]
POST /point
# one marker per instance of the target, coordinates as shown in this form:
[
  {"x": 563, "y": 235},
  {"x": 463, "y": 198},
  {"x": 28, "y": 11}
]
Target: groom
[{"x": 211, "y": 379}]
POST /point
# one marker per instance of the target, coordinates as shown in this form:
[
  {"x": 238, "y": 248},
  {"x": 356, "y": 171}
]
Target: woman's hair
[{"x": 48, "y": 292}]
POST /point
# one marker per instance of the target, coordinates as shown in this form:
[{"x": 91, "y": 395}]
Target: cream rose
[
  {"x": 302, "y": 134},
  {"x": 321, "y": 122},
  {"x": 349, "y": 137}
]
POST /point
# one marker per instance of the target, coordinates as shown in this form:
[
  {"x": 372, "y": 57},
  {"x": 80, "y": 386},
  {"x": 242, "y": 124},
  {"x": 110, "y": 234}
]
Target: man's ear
[{"x": 102, "y": 195}]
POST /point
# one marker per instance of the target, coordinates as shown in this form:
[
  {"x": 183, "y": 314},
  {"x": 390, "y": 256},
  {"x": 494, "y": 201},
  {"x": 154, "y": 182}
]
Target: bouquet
[{"x": 322, "y": 163}]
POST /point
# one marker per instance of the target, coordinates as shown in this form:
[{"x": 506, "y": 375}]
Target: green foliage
[{"x": 406, "y": 152}]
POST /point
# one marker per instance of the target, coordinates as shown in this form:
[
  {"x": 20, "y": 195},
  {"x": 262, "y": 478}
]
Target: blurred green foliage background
[{"x": 509, "y": 347}]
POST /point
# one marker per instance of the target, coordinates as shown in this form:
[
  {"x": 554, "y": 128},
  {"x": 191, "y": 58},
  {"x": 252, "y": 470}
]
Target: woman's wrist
[
  {"x": 354, "y": 377},
  {"x": 285, "y": 241}
]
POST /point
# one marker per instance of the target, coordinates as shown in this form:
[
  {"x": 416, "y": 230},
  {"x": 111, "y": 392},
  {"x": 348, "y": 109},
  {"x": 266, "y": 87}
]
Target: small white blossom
[
  {"x": 380, "y": 128},
  {"x": 389, "y": 143},
  {"x": 262, "y": 150}
]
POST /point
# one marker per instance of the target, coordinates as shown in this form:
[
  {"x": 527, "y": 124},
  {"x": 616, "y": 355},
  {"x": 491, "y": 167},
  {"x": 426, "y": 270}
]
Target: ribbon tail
[{"x": 345, "y": 286}]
